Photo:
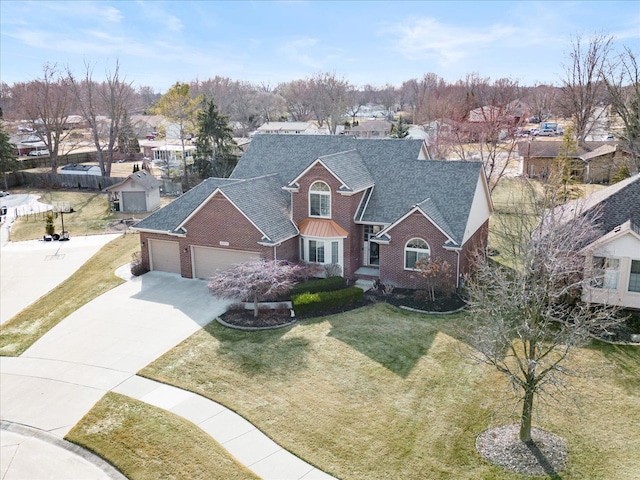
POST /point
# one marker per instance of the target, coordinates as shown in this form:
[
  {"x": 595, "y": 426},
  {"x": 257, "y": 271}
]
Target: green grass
[
  {"x": 380, "y": 393},
  {"x": 94, "y": 278},
  {"x": 145, "y": 442},
  {"x": 90, "y": 217}
]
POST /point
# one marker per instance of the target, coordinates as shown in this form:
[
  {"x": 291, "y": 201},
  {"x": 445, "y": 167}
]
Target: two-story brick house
[{"x": 370, "y": 208}]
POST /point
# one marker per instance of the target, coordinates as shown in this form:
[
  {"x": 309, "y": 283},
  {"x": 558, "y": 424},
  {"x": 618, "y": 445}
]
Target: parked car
[
  {"x": 38, "y": 153},
  {"x": 546, "y": 132}
]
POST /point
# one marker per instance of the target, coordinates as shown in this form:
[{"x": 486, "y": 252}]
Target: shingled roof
[
  {"x": 401, "y": 180},
  {"x": 618, "y": 203},
  {"x": 550, "y": 149},
  {"x": 142, "y": 178},
  {"x": 261, "y": 199},
  {"x": 395, "y": 177}
]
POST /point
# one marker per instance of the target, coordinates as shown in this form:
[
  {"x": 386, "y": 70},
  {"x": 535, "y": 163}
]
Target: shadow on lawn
[
  {"x": 396, "y": 345},
  {"x": 260, "y": 353}
]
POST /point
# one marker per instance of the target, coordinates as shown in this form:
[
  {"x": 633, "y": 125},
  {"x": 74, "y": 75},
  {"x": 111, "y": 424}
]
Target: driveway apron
[{"x": 101, "y": 345}]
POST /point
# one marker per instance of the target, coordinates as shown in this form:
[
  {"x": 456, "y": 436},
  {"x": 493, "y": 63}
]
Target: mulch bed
[
  {"x": 416, "y": 299},
  {"x": 546, "y": 454},
  {"x": 279, "y": 318}
]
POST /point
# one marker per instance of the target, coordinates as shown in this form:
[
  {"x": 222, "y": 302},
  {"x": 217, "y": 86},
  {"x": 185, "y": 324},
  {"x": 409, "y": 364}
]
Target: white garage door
[
  {"x": 207, "y": 260},
  {"x": 134, "y": 202},
  {"x": 164, "y": 256}
]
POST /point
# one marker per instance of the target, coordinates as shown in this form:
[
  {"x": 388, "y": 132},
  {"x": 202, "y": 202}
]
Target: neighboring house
[
  {"x": 139, "y": 192},
  {"x": 596, "y": 163},
  {"x": 290, "y": 128},
  {"x": 370, "y": 207},
  {"x": 370, "y": 129},
  {"x": 79, "y": 169},
  {"x": 616, "y": 254}
]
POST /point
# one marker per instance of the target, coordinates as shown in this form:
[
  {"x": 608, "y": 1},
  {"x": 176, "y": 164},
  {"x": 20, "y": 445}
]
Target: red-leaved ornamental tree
[{"x": 255, "y": 280}]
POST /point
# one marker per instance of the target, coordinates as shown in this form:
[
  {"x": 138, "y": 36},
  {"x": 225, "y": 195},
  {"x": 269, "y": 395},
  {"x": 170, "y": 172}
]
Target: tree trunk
[
  {"x": 255, "y": 306},
  {"x": 525, "y": 421}
]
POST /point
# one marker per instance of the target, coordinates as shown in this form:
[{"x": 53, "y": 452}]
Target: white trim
[
  {"x": 313, "y": 164},
  {"x": 326, "y": 241},
  {"x": 342, "y": 184},
  {"x": 365, "y": 205},
  {"x": 160, "y": 232},
  {"x": 321, "y": 193},
  {"x": 416, "y": 250}
]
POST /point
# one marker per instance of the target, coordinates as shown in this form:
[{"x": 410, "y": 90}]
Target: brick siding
[
  {"x": 343, "y": 208},
  {"x": 204, "y": 229},
  {"x": 392, "y": 269}
]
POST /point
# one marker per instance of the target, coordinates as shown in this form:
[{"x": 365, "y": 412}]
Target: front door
[{"x": 371, "y": 249}]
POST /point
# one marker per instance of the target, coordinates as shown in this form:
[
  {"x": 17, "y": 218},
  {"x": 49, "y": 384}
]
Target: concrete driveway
[
  {"x": 30, "y": 269},
  {"x": 57, "y": 381}
]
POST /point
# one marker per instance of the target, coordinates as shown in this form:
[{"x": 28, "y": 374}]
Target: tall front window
[
  {"x": 634, "y": 276},
  {"x": 606, "y": 272},
  {"x": 416, "y": 249},
  {"x": 320, "y": 200},
  {"x": 316, "y": 251}
]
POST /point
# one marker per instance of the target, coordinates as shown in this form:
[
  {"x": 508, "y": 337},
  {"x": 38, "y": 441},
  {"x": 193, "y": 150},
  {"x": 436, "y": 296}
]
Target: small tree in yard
[
  {"x": 525, "y": 319},
  {"x": 255, "y": 281},
  {"x": 435, "y": 272}
]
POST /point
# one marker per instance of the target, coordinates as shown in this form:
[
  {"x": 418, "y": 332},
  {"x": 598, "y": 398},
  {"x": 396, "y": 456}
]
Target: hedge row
[
  {"x": 309, "y": 302},
  {"x": 328, "y": 284}
]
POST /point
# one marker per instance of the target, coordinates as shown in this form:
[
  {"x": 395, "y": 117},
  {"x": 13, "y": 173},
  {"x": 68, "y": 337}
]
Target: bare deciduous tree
[
  {"x": 582, "y": 90},
  {"x": 542, "y": 100},
  {"x": 330, "y": 99},
  {"x": 103, "y": 106},
  {"x": 487, "y": 133},
  {"x": 46, "y": 104},
  {"x": 298, "y": 98},
  {"x": 526, "y": 319},
  {"x": 621, "y": 77}
]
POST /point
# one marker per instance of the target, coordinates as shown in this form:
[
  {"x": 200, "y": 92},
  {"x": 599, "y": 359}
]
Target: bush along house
[{"x": 363, "y": 208}]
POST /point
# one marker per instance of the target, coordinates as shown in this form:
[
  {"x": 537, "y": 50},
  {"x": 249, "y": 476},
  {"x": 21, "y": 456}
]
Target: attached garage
[
  {"x": 207, "y": 260},
  {"x": 164, "y": 256}
]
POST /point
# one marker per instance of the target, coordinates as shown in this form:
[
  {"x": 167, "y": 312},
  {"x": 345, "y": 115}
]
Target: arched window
[
  {"x": 414, "y": 250},
  {"x": 320, "y": 200}
]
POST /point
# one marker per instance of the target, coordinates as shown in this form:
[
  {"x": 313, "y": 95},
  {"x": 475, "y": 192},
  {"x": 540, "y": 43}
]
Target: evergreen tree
[
  {"x": 400, "y": 129},
  {"x": 7, "y": 157},
  {"x": 566, "y": 170},
  {"x": 215, "y": 146},
  {"x": 622, "y": 173}
]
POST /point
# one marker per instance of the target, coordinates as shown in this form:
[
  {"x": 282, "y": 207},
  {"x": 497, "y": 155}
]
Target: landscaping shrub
[
  {"x": 310, "y": 302},
  {"x": 322, "y": 285},
  {"x": 137, "y": 267}
]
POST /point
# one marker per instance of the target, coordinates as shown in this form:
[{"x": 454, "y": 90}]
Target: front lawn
[
  {"x": 380, "y": 393},
  {"x": 146, "y": 442},
  {"x": 91, "y": 280}
]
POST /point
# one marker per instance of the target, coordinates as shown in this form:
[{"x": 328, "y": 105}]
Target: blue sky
[{"x": 159, "y": 43}]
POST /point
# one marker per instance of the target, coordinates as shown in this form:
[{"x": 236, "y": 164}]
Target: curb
[
  {"x": 97, "y": 461},
  {"x": 252, "y": 329}
]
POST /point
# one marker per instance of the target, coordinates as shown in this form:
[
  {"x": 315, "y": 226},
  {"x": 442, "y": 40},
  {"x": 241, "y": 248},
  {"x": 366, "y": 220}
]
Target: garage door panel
[
  {"x": 164, "y": 256},
  {"x": 134, "y": 202},
  {"x": 208, "y": 260}
]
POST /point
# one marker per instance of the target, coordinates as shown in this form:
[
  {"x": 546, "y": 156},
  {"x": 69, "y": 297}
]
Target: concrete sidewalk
[
  {"x": 30, "y": 269},
  {"x": 100, "y": 348},
  {"x": 27, "y": 453}
]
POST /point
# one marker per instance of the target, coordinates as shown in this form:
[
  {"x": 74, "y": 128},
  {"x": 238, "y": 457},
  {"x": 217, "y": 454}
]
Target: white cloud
[
  {"x": 427, "y": 38},
  {"x": 299, "y": 51}
]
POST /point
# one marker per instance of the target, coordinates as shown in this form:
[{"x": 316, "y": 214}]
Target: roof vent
[{"x": 617, "y": 229}]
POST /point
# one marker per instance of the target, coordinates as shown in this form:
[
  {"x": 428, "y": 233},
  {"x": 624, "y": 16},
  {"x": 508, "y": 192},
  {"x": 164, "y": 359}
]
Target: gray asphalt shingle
[{"x": 444, "y": 190}]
